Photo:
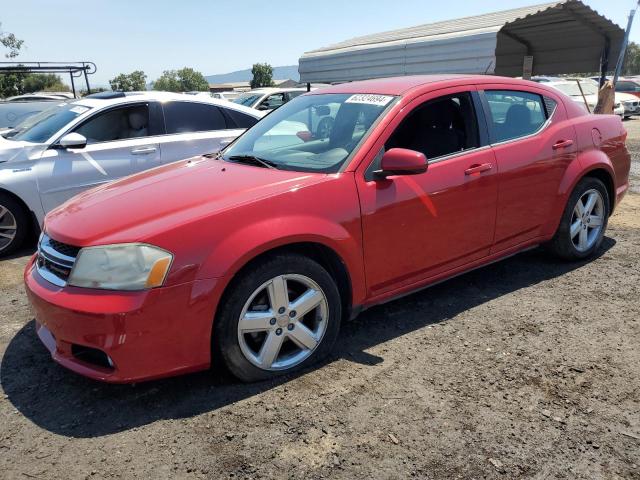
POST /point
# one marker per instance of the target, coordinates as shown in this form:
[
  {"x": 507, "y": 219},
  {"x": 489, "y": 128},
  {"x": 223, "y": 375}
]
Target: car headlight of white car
[{"x": 130, "y": 266}]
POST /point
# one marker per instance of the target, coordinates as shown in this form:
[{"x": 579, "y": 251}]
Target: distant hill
[{"x": 279, "y": 73}]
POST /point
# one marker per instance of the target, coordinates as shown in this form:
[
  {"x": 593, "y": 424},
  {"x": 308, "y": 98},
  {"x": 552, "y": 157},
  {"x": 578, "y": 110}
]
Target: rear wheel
[
  {"x": 584, "y": 221},
  {"x": 14, "y": 224},
  {"x": 280, "y": 316}
]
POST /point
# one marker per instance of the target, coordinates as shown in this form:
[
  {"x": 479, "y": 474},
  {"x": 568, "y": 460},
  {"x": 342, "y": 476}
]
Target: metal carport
[{"x": 562, "y": 37}]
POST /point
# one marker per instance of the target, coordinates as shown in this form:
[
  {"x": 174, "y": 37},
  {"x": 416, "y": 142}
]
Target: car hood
[
  {"x": 13, "y": 150},
  {"x": 625, "y": 97},
  {"x": 144, "y": 205}
]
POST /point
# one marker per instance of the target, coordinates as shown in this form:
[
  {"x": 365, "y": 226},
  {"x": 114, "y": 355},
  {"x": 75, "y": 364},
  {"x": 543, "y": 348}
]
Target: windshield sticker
[
  {"x": 79, "y": 109},
  {"x": 380, "y": 100}
]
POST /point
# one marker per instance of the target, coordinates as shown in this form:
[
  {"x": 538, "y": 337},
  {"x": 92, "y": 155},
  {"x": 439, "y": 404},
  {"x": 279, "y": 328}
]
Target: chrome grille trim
[{"x": 52, "y": 265}]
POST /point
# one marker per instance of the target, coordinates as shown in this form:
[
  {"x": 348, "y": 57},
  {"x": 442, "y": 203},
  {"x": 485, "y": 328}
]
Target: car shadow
[{"x": 68, "y": 404}]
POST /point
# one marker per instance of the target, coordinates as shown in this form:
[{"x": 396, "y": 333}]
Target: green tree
[
  {"x": 9, "y": 41},
  {"x": 184, "y": 80},
  {"x": 129, "y": 82},
  {"x": 632, "y": 60},
  {"x": 38, "y": 82},
  {"x": 10, "y": 83},
  {"x": 262, "y": 75}
]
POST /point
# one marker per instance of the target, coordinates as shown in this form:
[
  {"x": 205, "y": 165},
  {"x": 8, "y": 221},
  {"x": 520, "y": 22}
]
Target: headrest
[
  {"x": 137, "y": 120},
  {"x": 518, "y": 115}
]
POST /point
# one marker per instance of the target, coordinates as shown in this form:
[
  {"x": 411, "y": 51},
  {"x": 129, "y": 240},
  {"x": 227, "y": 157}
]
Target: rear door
[
  {"x": 533, "y": 144},
  {"x": 120, "y": 141},
  {"x": 194, "y": 128}
]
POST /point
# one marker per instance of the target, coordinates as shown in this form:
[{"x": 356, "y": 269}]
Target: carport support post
[
  {"x": 308, "y": 87},
  {"x": 73, "y": 85}
]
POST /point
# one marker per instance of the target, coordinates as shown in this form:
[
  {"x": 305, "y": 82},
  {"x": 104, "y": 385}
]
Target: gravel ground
[{"x": 527, "y": 368}]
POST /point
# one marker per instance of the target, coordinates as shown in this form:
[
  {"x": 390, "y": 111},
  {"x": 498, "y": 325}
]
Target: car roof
[
  {"x": 276, "y": 90},
  {"x": 118, "y": 98},
  {"x": 403, "y": 85}
]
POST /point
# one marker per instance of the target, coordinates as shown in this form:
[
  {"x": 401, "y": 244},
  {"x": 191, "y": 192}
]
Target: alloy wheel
[
  {"x": 8, "y": 227},
  {"x": 283, "y": 322},
  {"x": 587, "y": 220}
]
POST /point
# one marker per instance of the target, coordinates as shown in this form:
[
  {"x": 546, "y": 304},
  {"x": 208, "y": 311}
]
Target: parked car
[
  {"x": 254, "y": 256},
  {"x": 268, "y": 98},
  {"x": 14, "y": 112},
  {"x": 624, "y": 106},
  {"x": 627, "y": 85},
  {"x": 229, "y": 96},
  {"x": 73, "y": 146},
  {"x": 40, "y": 96}
]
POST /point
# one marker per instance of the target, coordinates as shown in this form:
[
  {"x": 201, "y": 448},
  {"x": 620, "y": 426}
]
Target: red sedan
[{"x": 343, "y": 198}]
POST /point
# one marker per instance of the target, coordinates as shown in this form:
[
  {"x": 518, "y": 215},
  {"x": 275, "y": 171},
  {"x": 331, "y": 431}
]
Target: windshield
[
  {"x": 312, "y": 133},
  {"x": 572, "y": 89},
  {"x": 40, "y": 127},
  {"x": 248, "y": 99}
]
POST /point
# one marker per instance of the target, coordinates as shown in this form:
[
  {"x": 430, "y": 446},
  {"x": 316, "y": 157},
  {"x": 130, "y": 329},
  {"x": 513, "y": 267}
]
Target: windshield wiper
[{"x": 253, "y": 160}]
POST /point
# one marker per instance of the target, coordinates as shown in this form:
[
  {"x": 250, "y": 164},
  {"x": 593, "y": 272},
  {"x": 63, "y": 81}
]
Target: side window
[
  {"x": 273, "y": 101},
  {"x": 116, "y": 124},
  {"x": 294, "y": 94},
  {"x": 514, "y": 114},
  {"x": 237, "y": 119},
  {"x": 439, "y": 127},
  {"x": 186, "y": 117},
  {"x": 624, "y": 87}
]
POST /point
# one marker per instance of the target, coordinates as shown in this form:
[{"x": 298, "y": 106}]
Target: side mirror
[
  {"x": 263, "y": 107},
  {"x": 401, "y": 161},
  {"x": 73, "y": 140}
]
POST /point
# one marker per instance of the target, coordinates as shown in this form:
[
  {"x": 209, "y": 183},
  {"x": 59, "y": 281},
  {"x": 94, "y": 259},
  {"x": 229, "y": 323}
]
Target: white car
[
  {"x": 625, "y": 105},
  {"x": 268, "y": 98},
  {"x": 73, "y": 146},
  {"x": 229, "y": 96}
]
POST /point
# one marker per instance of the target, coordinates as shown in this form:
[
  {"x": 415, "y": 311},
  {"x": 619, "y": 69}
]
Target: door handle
[
  {"x": 143, "y": 150},
  {"x": 473, "y": 169},
  {"x": 562, "y": 144}
]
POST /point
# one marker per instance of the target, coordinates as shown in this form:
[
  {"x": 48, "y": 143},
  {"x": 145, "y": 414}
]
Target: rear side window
[
  {"x": 514, "y": 114},
  {"x": 237, "y": 119},
  {"x": 186, "y": 117}
]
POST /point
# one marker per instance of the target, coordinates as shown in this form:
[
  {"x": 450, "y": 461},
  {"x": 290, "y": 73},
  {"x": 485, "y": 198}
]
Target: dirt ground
[{"x": 529, "y": 368}]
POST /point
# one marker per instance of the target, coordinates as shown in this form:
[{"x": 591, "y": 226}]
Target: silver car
[{"x": 73, "y": 146}]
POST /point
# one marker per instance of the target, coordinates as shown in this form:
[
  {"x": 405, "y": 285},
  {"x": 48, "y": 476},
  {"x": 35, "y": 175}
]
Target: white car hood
[{"x": 16, "y": 150}]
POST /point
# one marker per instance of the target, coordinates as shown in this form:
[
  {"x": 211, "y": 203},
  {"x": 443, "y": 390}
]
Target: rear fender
[{"x": 586, "y": 162}]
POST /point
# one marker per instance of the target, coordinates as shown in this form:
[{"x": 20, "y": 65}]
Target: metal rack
[{"x": 74, "y": 69}]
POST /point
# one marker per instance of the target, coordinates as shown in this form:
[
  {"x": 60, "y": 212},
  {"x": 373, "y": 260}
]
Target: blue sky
[{"x": 219, "y": 36}]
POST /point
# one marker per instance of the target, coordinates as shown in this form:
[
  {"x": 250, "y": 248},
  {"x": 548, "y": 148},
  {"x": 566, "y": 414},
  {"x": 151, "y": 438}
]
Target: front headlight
[{"x": 131, "y": 266}]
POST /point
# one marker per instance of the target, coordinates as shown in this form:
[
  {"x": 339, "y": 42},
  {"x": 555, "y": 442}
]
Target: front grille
[
  {"x": 55, "y": 260},
  {"x": 63, "y": 248}
]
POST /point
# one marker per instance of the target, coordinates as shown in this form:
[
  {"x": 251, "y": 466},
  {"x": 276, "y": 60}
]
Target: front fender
[{"x": 245, "y": 244}]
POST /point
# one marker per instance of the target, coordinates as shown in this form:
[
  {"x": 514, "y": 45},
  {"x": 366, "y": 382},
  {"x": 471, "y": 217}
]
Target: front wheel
[
  {"x": 583, "y": 222},
  {"x": 279, "y": 316},
  {"x": 14, "y": 225}
]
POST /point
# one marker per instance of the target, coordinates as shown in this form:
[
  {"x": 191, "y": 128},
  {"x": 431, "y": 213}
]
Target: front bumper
[{"x": 146, "y": 335}]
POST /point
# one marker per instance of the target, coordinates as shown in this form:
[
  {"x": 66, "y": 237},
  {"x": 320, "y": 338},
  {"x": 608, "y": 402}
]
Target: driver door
[
  {"x": 420, "y": 226},
  {"x": 120, "y": 142}
]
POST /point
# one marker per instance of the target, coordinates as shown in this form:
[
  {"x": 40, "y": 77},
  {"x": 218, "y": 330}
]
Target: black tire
[
  {"x": 561, "y": 244},
  {"x": 21, "y": 216},
  {"x": 225, "y": 343}
]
